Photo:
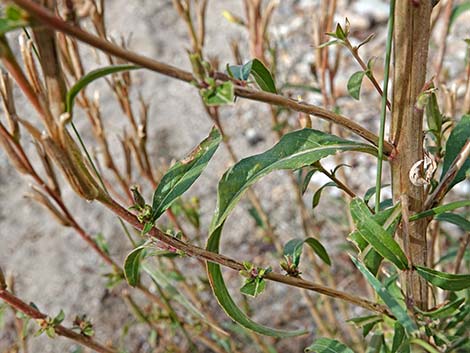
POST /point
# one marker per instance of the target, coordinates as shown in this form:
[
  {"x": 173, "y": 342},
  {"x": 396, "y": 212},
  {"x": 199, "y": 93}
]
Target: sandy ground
[{"x": 54, "y": 268}]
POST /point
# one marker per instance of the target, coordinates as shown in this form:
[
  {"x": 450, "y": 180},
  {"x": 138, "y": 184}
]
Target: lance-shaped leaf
[
  {"x": 328, "y": 345},
  {"x": 440, "y": 209},
  {"x": 183, "y": 174},
  {"x": 457, "y": 139},
  {"x": 293, "y": 248},
  {"x": 398, "y": 310},
  {"x": 387, "y": 218},
  {"x": 89, "y": 78},
  {"x": 447, "y": 281},
  {"x": 132, "y": 265},
  {"x": 355, "y": 83},
  {"x": 262, "y": 76},
  {"x": 295, "y": 150},
  {"x": 376, "y": 235}
]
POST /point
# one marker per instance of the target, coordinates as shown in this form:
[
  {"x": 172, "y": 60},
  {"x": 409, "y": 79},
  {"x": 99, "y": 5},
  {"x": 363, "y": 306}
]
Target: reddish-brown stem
[
  {"x": 225, "y": 261},
  {"x": 44, "y": 16},
  {"x": 33, "y": 313}
]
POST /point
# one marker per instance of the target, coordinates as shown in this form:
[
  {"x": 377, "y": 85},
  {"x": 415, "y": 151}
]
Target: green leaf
[
  {"x": 262, "y": 76},
  {"x": 13, "y": 18},
  {"x": 317, "y": 195},
  {"x": 455, "y": 219},
  {"x": 433, "y": 114},
  {"x": 318, "y": 249},
  {"x": 398, "y": 310},
  {"x": 179, "y": 178},
  {"x": 293, "y": 248},
  {"x": 253, "y": 287},
  {"x": 295, "y": 150},
  {"x": 444, "y": 311},
  {"x": 328, "y": 345},
  {"x": 257, "y": 218},
  {"x": 241, "y": 72},
  {"x": 457, "y": 139},
  {"x": 376, "y": 235},
  {"x": 398, "y": 336},
  {"x": 307, "y": 179},
  {"x": 59, "y": 318},
  {"x": 440, "y": 209},
  {"x": 457, "y": 11},
  {"x": 221, "y": 94},
  {"x": 373, "y": 259},
  {"x": 89, "y": 78},
  {"x": 444, "y": 280},
  {"x": 132, "y": 265},
  {"x": 355, "y": 83},
  {"x": 371, "y": 192}
]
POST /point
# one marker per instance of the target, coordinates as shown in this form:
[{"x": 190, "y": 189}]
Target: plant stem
[
  {"x": 411, "y": 42},
  {"x": 225, "y": 261},
  {"x": 385, "y": 103},
  {"x": 28, "y": 310},
  {"x": 47, "y": 18}
]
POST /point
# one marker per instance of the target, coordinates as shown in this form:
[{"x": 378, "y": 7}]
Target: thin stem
[
  {"x": 60, "y": 330},
  {"x": 46, "y": 17},
  {"x": 225, "y": 261},
  {"x": 385, "y": 103}
]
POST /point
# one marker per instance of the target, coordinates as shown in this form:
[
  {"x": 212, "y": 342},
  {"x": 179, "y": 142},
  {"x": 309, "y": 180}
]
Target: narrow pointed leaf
[
  {"x": 355, "y": 83},
  {"x": 132, "y": 265},
  {"x": 457, "y": 139},
  {"x": 455, "y": 219},
  {"x": 262, "y": 76},
  {"x": 376, "y": 235},
  {"x": 398, "y": 310},
  {"x": 444, "y": 311},
  {"x": 226, "y": 301},
  {"x": 295, "y": 150},
  {"x": 440, "y": 209},
  {"x": 317, "y": 195},
  {"x": 89, "y": 78},
  {"x": 183, "y": 174},
  {"x": 447, "y": 281},
  {"x": 318, "y": 249},
  {"x": 328, "y": 345}
]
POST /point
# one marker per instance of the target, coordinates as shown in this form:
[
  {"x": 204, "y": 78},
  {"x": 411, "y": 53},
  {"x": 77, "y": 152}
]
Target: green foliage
[
  {"x": 259, "y": 72},
  {"x": 396, "y": 305},
  {"x": 89, "y": 78},
  {"x": 444, "y": 280},
  {"x": 355, "y": 83},
  {"x": 376, "y": 235},
  {"x": 13, "y": 18},
  {"x": 132, "y": 265},
  {"x": 183, "y": 174},
  {"x": 255, "y": 283},
  {"x": 457, "y": 139},
  {"x": 218, "y": 94},
  {"x": 327, "y": 345}
]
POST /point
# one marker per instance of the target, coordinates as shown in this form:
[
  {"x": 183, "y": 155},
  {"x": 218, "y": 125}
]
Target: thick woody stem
[{"x": 411, "y": 40}]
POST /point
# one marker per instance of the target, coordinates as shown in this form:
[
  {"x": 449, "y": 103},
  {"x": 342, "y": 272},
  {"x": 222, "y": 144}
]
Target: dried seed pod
[
  {"x": 46, "y": 162},
  {"x": 8, "y": 102},
  {"x": 38, "y": 196},
  {"x": 73, "y": 168},
  {"x": 11, "y": 150}
]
